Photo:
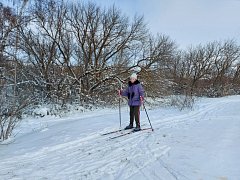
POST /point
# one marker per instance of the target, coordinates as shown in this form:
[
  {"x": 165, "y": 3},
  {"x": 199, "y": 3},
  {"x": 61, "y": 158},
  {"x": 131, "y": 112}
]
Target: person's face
[{"x": 132, "y": 80}]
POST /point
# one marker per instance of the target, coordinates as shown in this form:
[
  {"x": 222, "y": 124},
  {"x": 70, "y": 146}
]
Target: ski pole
[
  {"x": 147, "y": 116},
  {"x": 120, "y": 118},
  {"x": 119, "y": 103}
]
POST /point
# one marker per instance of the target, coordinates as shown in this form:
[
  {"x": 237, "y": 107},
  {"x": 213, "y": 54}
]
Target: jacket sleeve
[
  {"x": 125, "y": 92},
  {"x": 141, "y": 91}
]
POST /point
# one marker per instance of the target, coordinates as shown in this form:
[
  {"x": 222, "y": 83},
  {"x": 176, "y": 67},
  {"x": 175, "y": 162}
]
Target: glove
[{"x": 141, "y": 99}]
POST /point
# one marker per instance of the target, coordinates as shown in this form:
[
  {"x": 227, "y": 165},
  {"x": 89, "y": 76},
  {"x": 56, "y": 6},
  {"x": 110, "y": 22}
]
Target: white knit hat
[{"x": 133, "y": 76}]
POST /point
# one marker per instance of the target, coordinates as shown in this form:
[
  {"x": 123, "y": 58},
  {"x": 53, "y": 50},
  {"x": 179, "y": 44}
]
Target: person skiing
[{"x": 135, "y": 94}]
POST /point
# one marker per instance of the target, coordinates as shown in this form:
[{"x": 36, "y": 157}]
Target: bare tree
[
  {"x": 195, "y": 65},
  {"x": 228, "y": 54},
  {"x": 156, "y": 60},
  {"x": 39, "y": 44},
  {"x": 7, "y": 28},
  {"x": 206, "y": 69},
  {"x": 8, "y": 71},
  {"x": 103, "y": 38}
]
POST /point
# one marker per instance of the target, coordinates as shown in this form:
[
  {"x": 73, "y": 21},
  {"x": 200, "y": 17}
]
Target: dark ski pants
[{"x": 135, "y": 114}]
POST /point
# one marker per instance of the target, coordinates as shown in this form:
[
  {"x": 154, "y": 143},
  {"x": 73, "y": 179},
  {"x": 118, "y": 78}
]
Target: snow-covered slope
[{"x": 200, "y": 144}]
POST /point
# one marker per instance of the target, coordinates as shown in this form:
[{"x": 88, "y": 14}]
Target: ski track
[
  {"x": 97, "y": 157},
  {"x": 82, "y": 151}
]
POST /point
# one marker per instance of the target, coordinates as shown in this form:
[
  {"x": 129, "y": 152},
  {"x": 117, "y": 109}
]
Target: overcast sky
[{"x": 186, "y": 21}]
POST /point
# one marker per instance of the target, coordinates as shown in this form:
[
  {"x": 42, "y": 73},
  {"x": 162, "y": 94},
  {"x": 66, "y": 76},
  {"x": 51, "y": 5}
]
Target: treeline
[{"x": 64, "y": 53}]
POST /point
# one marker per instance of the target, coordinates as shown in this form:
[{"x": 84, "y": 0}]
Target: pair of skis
[{"x": 125, "y": 132}]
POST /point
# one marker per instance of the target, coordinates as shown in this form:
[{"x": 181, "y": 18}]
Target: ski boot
[
  {"x": 138, "y": 128},
  {"x": 129, "y": 127}
]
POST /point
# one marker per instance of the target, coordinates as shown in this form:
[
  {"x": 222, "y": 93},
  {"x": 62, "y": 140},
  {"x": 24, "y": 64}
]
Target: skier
[{"x": 135, "y": 94}]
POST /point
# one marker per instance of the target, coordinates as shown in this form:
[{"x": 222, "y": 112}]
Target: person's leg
[
  {"x": 131, "y": 115},
  {"x": 137, "y": 115},
  {"x": 130, "y": 126}
]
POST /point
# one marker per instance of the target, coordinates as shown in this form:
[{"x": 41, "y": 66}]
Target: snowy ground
[{"x": 203, "y": 144}]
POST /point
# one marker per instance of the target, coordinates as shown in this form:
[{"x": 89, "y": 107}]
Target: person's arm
[
  {"x": 141, "y": 93},
  {"x": 124, "y": 92}
]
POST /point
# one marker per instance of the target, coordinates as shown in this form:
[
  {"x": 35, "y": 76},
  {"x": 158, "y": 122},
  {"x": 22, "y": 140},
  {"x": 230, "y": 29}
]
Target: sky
[{"x": 187, "y": 22}]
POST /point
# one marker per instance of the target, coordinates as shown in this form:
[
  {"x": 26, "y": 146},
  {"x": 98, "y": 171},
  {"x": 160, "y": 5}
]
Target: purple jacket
[{"x": 133, "y": 92}]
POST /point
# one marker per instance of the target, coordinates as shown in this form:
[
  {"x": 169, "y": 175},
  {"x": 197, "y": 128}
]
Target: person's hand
[
  {"x": 141, "y": 99},
  {"x": 120, "y": 92}
]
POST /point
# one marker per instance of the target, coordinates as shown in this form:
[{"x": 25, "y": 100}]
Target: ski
[
  {"x": 119, "y": 130},
  {"x": 116, "y": 131},
  {"x": 130, "y": 132}
]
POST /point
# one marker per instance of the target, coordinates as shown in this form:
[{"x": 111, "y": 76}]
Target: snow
[{"x": 203, "y": 143}]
